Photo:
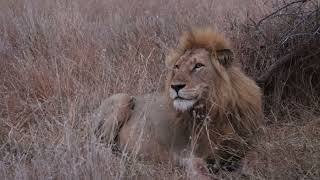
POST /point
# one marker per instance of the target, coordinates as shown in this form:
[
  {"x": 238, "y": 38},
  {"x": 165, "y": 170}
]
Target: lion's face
[{"x": 191, "y": 77}]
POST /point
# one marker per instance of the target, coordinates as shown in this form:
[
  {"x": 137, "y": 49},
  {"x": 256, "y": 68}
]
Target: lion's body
[
  {"x": 151, "y": 130},
  {"x": 209, "y": 110}
]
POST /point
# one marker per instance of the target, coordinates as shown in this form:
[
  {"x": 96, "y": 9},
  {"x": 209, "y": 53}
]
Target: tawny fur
[
  {"x": 220, "y": 125},
  {"x": 233, "y": 91},
  {"x": 198, "y": 38},
  {"x": 234, "y": 99}
]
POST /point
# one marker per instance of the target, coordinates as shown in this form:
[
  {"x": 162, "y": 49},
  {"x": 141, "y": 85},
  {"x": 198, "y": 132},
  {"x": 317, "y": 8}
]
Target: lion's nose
[{"x": 177, "y": 87}]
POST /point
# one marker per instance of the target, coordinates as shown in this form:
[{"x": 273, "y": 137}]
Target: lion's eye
[
  {"x": 176, "y": 66},
  {"x": 198, "y": 65}
]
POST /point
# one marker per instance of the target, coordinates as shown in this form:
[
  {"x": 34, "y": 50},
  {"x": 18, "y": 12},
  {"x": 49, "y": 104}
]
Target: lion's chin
[{"x": 183, "y": 104}]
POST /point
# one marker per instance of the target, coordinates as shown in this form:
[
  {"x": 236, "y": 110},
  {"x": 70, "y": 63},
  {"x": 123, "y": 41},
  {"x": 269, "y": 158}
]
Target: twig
[
  {"x": 296, "y": 35},
  {"x": 316, "y": 31},
  {"x": 275, "y": 12},
  {"x": 257, "y": 25},
  {"x": 297, "y": 25}
]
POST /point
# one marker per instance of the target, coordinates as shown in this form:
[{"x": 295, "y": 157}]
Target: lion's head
[
  {"x": 204, "y": 84},
  {"x": 198, "y": 69}
]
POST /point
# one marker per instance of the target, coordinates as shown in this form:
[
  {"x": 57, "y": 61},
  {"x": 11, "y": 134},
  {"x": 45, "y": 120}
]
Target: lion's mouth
[
  {"x": 183, "y": 101},
  {"x": 182, "y": 104},
  {"x": 182, "y": 98}
]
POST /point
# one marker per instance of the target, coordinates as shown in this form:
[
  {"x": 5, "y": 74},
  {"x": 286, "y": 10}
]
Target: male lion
[{"x": 207, "y": 114}]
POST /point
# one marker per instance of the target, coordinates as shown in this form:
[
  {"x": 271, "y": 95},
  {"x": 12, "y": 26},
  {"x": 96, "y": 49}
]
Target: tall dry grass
[{"x": 59, "y": 59}]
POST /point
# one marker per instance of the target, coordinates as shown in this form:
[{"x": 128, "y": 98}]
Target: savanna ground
[{"x": 60, "y": 58}]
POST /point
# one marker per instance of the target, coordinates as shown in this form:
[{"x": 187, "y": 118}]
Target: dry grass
[{"x": 60, "y": 59}]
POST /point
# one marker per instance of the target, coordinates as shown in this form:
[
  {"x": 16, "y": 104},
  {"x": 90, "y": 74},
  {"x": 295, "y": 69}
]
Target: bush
[{"x": 60, "y": 59}]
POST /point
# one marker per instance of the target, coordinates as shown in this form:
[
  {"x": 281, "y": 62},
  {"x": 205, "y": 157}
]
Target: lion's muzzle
[{"x": 183, "y": 99}]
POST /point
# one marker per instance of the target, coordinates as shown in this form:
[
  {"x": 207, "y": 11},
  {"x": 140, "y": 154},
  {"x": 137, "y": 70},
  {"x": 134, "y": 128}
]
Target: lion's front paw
[{"x": 197, "y": 169}]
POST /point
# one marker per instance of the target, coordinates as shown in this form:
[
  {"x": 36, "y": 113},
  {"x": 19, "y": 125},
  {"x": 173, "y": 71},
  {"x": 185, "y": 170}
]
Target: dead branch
[
  {"x": 276, "y": 11},
  {"x": 308, "y": 17},
  {"x": 294, "y": 56}
]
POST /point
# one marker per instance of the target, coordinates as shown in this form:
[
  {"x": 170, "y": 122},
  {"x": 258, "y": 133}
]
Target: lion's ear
[
  {"x": 169, "y": 62},
  {"x": 225, "y": 57},
  {"x": 170, "y": 59}
]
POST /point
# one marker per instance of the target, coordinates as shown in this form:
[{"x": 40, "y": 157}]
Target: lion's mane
[{"x": 234, "y": 99}]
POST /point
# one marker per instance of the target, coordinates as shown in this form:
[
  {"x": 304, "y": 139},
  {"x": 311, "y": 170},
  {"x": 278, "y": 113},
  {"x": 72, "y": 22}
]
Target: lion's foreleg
[{"x": 111, "y": 115}]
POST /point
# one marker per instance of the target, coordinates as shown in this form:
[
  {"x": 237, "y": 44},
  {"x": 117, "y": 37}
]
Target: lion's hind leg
[{"x": 111, "y": 115}]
